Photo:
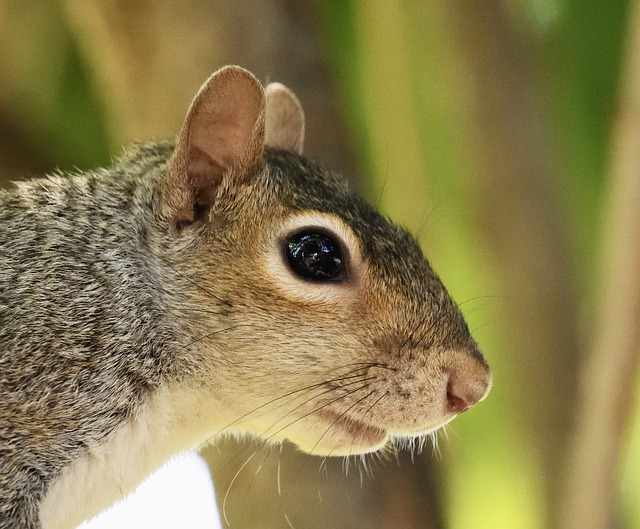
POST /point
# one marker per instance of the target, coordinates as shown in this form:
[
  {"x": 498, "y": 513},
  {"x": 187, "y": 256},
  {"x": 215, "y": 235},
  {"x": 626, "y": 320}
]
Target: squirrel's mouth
[
  {"x": 358, "y": 435},
  {"x": 354, "y": 436},
  {"x": 338, "y": 433}
]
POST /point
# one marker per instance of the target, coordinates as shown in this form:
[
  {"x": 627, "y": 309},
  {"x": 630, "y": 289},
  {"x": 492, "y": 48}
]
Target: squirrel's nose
[{"x": 468, "y": 384}]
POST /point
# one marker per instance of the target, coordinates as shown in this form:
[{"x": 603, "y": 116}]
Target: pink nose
[{"x": 468, "y": 384}]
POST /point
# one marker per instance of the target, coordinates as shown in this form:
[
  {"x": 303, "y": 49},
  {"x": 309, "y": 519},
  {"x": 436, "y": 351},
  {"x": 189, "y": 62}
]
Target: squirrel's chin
[
  {"x": 421, "y": 430},
  {"x": 333, "y": 434}
]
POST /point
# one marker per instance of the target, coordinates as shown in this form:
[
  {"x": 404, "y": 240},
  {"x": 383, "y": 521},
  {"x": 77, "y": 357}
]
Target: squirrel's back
[{"x": 80, "y": 302}]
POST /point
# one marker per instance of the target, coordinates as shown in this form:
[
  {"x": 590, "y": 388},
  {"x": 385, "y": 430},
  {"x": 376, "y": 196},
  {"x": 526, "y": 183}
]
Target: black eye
[{"x": 315, "y": 256}]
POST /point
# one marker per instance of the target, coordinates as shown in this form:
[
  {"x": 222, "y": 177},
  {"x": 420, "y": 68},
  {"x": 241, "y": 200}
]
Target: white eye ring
[{"x": 295, "y": 287}]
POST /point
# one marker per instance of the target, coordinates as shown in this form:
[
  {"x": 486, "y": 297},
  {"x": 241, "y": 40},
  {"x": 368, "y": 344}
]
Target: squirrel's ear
[
  {"x": 222, "y": 138},
  {"x": 284, "y": 119}
]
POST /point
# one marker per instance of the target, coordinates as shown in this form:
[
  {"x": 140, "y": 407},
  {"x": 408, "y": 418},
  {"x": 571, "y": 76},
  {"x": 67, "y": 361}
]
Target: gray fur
[
  {"x": 95, "y": 290},
  {"x": 86, "y": 328}
]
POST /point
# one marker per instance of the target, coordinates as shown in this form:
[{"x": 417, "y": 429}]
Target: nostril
[
  {"x": 456, "y": 401},
  {"x": 456, "y": 404},
  {"x": 464, "y": 390}
]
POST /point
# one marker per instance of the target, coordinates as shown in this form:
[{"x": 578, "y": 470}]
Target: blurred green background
[{"x": 486, "y": 127}]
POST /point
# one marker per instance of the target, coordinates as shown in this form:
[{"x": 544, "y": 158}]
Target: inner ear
[
  {"x": 204, "y": 177},
  {"x": 284, "y": 119},
  {"x": 222, "y": 138}
]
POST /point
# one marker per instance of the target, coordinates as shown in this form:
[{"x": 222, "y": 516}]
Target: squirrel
[{"x": 221, "y": 283}]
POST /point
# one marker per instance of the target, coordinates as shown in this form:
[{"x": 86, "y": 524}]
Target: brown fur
[{"x": 163, "y": 275}]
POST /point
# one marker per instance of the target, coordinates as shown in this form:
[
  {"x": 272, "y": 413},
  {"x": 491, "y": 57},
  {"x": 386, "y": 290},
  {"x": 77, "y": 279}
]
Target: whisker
[
  {"x": 350, "y": 382},
  {"x": 263, "y": 441},
  {"x": 331, "y": 389},
  {"x": 297, "y": 477},
  {"x": 323, "y": 467},
  {"x": 235, "y": 477},
  {"x": 384, "y": 185},
  {"x": 479, "y": 298},
  {"x": 209, "y": 335},
  {"x": 424, "y": 223},
  {"x": 435, "y": 447},
  {"x": 255, "y": 474},
  {"x": 386, "y": 394},
  {"x": 253, "y": 445},
  {"x": 287, "y": 520},
  {"x": 340, "y": 418},
  {"x": 365, "y": 414},
  {"x": 440, "y": 317},
  {"x": 345, "y": 465},
  {"x": 278, "y": 477},
  {"x": 314, "y": 411},
  {"x": 272, "y": 401}
]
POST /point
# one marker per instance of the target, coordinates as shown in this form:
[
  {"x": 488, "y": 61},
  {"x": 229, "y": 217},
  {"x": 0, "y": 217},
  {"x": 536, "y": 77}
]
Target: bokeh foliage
[{"x": 548, "y": 74}]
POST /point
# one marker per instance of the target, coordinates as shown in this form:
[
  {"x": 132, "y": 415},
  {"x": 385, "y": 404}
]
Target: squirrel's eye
[{"x": 315, "y": 256}]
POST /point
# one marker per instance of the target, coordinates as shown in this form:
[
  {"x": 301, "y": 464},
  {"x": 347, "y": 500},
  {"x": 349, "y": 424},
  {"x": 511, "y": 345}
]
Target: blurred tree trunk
[
  {"x": 149, "y": 59},
  {"x": 610, "y": 371},
  {"x": 525, "y": 227},
  {"x": 49, "y": 116}
]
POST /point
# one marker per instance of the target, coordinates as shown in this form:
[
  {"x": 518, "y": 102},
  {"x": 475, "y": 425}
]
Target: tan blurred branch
[
  {"x": 149, "y": 58},
  {"x": 514, "y": 189},
  {"x": 608, "y": 379}
]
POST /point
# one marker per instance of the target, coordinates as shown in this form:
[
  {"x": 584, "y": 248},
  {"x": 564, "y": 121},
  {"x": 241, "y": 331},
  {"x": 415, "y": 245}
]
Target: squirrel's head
[{"x": 318, "y": 320}]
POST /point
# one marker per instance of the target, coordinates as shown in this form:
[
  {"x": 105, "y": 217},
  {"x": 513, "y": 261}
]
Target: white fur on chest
[{"x": 112, "y": 470}]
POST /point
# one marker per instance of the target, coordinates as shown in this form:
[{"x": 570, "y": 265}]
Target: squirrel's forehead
[{"x": 307, "y": 186}]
